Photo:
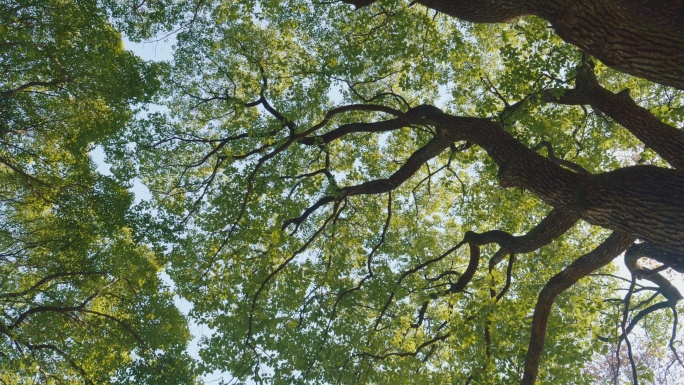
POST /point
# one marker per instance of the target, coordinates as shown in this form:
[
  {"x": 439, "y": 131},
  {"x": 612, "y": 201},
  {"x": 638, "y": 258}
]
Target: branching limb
[
  {"x": 436, "y": 339},
  {"x": 430, "y": 150},
  {"x": 625, "y": 336},
  {"x": 277, "y": 270},
  {"x": 665, "y": 287},
  {"x": 64, "y": 355},
  {"x": 30, "y": 85},
  {"x": 555, "y": 224},
  {"x": 509, "y": 273},
  {"x": 668, "y": 258},
  {"x": 469, "y": 272},
  {"x": 46, "y": 280},
  {"x": 407, "y": 273},
  {"x": 665, "y": 140},
  {"x": 346, "y": 129},
  {"x": 369, "y": 275}
]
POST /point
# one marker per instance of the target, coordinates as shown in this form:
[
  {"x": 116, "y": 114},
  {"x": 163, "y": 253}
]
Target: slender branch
[
  {"x": 562, "y": 162},
  {"x": 46, "y": 280},
  {"x": 63, "y": 354},
  {"x": 26, "y": 86},
  {"x": 414, "y": 353},
  {"x": 283, "y": 265}
]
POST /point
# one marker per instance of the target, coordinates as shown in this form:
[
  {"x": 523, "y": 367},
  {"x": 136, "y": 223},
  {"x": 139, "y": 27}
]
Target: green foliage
[
  {"x": 251, "y": 214},
  {"x": 82, "y": 300},
  {"x": 329, "y": 300}
]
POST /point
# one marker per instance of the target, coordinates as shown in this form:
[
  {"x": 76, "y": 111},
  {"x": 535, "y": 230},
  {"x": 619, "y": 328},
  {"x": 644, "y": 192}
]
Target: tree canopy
[
  {"x": 80, "y": 294},
  {"x": 345, "y": 192}
]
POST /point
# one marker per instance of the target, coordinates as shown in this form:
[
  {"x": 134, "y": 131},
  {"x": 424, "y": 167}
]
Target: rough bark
[
  {"x": 639, "y": 37},
  {"x": 555, "y": 224},
  {"x": 642, "y": 201},
  {"x": 647, "y": 250}
]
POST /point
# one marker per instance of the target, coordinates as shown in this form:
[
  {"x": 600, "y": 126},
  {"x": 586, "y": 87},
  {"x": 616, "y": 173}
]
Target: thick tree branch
[
  {"x": 636, "y": 37},
  {"x": 665, "y": 287},
  {"x": 346, "y": 129},
  {"x": 643, "y": 201},
  {"x": 665, "y": 140},
  {"x": 615, "y": 244},
  {"x": 561, "y": 162},
  {"x": 555, "y": 224},
  {"x": 648, "y": 250},
  {"x": 469, "y": 272}
]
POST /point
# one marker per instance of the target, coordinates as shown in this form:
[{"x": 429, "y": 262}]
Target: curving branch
[
  {"x": 668, "y": 258},
  {"x": 613, "y": 200},
  {"x": 419, "y": 348},
  {"x": 615, "y": 244},
  {"x": 278, "y": 269},
  {"x": 46, "y": 280},
  {"x": 369, "y": 275},
  {"x": 405, "y": 274},
  {"x": 63, "y": 354},
  {"x": 346, "y": 129},
  {"x": 555, "y": 224},
  {"x": 665, "y": 287},
  {"x": 433, "y": 148},
  {"x": 469, "y": 272},
  {"x": 624, "y": 335},
  {"x": 56, "y": 309},
  {"x": 28, "y": 86}
]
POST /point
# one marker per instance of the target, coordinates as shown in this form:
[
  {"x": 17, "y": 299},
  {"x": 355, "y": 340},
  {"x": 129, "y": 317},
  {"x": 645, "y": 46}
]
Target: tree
[
  {"x": 336, "y": 191},
  {"x": 331, "y": 224},
  {"x": 81, "y": 300}
]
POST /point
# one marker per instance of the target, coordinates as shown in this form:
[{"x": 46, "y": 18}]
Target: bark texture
[
  {"x": 641, "y": 201},
  {"x": 639, "y": 37}
]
